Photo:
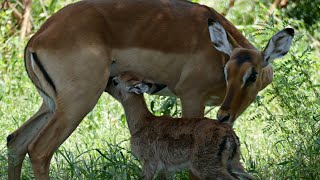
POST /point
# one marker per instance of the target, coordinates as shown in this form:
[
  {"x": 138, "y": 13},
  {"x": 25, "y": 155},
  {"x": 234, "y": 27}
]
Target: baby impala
[{"x": 208, "y": 148}]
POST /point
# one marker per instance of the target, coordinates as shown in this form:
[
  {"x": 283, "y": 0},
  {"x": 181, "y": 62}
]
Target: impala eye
[{"x": 252, "y": 78}]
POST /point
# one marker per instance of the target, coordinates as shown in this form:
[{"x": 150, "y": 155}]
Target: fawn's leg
[{"x": 149, "y": 170}]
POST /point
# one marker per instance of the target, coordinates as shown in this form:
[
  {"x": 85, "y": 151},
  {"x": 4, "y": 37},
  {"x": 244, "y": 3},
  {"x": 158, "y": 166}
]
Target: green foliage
[
  {"x": 279, "y": 132},
  {"x": 289, "y": 115},
  {"x": 308, "y": 11},
  {"x": 165, "y": 106},
  {"x": 112, "y": 162}
]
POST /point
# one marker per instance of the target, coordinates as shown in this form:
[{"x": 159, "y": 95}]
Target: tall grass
[{"x": 279, "y": 132}]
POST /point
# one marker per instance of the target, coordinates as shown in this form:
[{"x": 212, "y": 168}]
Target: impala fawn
[{"x": 208, "y": 148}]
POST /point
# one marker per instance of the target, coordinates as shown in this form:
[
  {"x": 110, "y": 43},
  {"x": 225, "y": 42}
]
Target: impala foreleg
[
  {"x": 19, "y": 140},
  {"x": 192, "y": 91},
  {"x": 192, "y": 104},
  {"x": 192, "y": 107}
]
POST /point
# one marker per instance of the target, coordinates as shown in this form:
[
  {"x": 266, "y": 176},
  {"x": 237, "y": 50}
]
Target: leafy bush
[{"x": 307, "y": 11}]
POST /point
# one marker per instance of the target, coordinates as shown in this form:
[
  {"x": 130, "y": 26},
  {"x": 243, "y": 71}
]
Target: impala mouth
[{"x": 225, "y": 117}]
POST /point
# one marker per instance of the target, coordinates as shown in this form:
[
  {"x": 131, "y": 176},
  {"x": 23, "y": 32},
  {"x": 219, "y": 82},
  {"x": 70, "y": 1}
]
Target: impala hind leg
[
  {"x": 71, "y": 108},
  {"x": 207, "y": 163},
  {"x": 236, "y": 168},
  {"x": 19, "y": 140}
]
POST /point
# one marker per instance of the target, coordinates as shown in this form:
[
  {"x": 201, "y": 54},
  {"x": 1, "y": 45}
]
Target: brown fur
[{"x": 210, "y": 149}]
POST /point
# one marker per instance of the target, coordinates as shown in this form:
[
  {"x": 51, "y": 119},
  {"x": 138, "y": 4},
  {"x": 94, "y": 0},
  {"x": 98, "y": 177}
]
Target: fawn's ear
[
  {"x": 140, "y": 88},
  {"x": 278, "y": 46},
  {"x": 218, "y": 36}
]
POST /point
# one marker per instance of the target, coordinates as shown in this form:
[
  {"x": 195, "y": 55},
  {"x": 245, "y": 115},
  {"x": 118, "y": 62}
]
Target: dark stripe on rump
[
  {"x": 25, "y": 65},
  {"x": 46, "y": 75}
]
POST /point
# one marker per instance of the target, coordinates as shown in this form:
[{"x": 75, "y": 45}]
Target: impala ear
[
  {"x": 140, "y": 88},
  {"x": 219, "y": 37},
  {"x": 278, "y": 46}
]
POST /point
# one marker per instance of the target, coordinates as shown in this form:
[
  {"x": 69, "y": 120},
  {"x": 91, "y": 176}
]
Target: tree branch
[
  {"x": 274, "y": 6},
  {"x": 226, "y": 10},
  {"x": 284, "y": 3},
  {"x": 278, "y": 3},
  {"x": 5, "y": 5},
  {"x": 26, "y": 23}
]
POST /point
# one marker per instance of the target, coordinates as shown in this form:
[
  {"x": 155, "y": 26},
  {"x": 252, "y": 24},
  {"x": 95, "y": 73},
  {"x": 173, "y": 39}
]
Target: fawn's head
[{"x": 125, "y": 85}]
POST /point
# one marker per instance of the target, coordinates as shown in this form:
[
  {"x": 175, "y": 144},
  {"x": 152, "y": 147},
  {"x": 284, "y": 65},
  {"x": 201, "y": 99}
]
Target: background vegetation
[{"x": 280, "y": 131}]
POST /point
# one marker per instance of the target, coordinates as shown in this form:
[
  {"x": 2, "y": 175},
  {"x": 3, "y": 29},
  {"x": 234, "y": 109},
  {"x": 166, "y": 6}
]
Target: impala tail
[{"x": 40, "y": 78}]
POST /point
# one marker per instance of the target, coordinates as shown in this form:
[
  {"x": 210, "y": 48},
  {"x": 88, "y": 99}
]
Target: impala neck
[{"x": 136, "y": 111}]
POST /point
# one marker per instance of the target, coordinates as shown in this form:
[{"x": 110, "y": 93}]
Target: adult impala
[{"x": 172, "y": 42}]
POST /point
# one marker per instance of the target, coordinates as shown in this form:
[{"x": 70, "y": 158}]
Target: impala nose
[
  {"x": 114, "y": 82},
  {"x": 223, "y": 116}
]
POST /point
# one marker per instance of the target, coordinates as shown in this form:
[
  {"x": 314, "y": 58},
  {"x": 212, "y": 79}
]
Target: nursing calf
[{"x": 208, "y": 148}]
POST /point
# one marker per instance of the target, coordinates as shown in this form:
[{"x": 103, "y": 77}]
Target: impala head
[
  {"x": 247, "y": 71},
  {"x": 127, "y": 84}
]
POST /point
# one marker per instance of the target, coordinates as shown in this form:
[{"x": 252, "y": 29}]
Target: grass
[{"x": 279, "y": 132}]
